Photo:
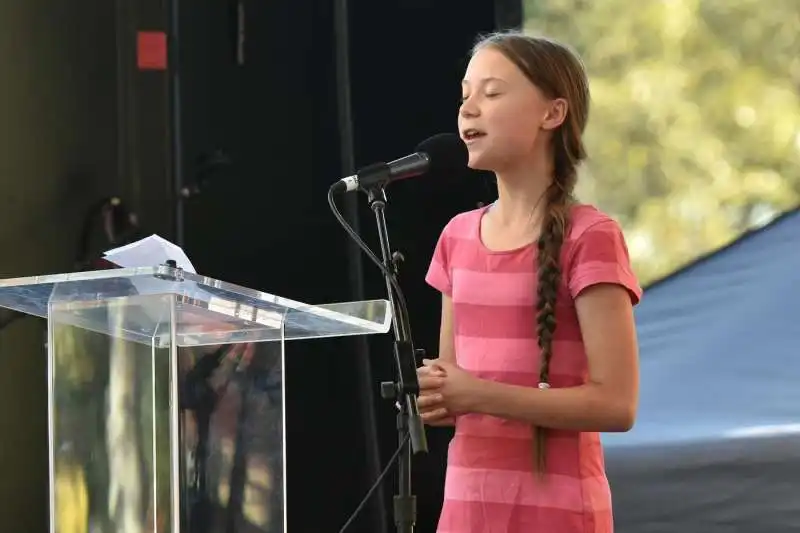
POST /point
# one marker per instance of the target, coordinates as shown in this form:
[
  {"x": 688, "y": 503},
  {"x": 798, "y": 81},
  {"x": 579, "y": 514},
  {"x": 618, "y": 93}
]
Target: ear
[{"x": 556, "y": 114}]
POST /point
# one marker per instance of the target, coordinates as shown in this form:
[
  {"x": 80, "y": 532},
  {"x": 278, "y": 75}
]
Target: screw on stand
[
  {"x": 391, "y": 390},
  {"x": 173, "y": 271},
  {"x": 397, "y": 260}
]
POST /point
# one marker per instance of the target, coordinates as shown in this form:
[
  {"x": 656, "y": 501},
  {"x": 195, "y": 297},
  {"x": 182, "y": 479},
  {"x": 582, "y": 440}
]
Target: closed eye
[{"x": 485, "y": 95}]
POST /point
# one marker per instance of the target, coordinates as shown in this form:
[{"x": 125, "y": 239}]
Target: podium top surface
[{"x": 150, "y": 304}]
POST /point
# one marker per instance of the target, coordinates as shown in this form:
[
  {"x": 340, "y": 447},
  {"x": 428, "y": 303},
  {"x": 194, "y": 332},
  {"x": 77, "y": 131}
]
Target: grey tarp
[{"x": 716, "y": 446}]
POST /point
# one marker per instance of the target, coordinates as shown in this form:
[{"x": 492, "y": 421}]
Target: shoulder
[
  {"x": 592, "y": 230},
  {"x": 462, "y": 228},
  {"x": 596, "y": 252},
  {"x": 459, "y": 230},
  {"x": 459, "y": 235},
  {"x": 463, "y": 224},
  {"x": 586, "y": 219}
]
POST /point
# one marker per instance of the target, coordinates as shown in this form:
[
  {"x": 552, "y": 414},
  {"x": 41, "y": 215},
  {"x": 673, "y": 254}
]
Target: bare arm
[
  {"x": 447, "y": 348},
  {"x": 608, "y": 401}
]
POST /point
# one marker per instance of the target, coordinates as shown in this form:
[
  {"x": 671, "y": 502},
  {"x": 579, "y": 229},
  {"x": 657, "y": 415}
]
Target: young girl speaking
[{"x": 538, "y": 350}]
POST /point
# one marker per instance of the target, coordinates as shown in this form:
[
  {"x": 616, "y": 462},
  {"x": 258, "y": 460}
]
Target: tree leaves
[{"x": 695, "y": 129}]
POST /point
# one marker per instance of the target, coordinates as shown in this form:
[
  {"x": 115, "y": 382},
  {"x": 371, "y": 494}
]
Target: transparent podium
[{"x": 165, "y": 393}]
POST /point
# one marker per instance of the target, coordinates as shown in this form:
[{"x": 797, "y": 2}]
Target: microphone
[{"x": 444, "y": 152}]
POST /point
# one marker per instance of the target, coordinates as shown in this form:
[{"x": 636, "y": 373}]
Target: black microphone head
[{"x": 447, "y": 152}]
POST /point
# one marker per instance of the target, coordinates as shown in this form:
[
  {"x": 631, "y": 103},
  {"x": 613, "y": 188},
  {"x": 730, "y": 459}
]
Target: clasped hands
[{"x": 446, "y": 391}]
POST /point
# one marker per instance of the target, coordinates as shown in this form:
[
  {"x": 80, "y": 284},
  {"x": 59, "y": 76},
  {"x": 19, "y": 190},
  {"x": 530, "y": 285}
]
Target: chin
[{"x": 480, "y": 163}]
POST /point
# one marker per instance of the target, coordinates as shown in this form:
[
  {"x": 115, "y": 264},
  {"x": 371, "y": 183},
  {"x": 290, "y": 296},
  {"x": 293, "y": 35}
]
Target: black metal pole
[
  {"x": 175, "y": 122},
  {"x": 407, "y": 387}
]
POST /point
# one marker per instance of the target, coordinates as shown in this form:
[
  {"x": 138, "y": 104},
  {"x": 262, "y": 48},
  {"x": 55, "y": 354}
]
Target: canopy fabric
[{"x": 716, "y": 446}]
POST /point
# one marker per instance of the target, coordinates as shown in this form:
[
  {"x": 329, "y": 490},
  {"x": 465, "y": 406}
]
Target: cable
[
  {"x": 361, "y": 244},
  {"x": 119, "y": 226},
  {"x": 377, "y": 483}
]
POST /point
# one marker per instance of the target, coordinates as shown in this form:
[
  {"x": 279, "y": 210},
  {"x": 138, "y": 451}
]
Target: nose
[{"x": 469, "y": 108}]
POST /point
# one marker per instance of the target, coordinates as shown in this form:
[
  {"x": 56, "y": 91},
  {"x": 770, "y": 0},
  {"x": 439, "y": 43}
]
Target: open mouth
[{"x": 471, "y": 134}]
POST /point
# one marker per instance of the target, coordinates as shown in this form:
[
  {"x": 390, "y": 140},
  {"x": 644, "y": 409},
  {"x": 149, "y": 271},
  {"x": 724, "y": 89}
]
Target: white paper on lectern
[{"x": 151, "y": 251}]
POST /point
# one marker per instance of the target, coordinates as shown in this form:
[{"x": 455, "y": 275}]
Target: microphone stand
[{"x": 406, "y": 389}]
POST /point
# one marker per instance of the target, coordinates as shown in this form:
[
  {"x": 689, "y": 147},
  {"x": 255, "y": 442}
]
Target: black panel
[{"x": 262, "y": 220}]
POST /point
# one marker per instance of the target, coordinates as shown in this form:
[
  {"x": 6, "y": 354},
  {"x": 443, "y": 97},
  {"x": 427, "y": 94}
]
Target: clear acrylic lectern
[{"x": 166, "y": 396}]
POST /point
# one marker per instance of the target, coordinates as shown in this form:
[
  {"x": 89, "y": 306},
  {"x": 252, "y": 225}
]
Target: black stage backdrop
[
  {"x": 263, "y": 124},
  {"x": 249, "y": 106}
]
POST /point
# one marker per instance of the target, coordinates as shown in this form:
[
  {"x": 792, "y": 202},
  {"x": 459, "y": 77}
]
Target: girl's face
[{"x": 502, "y": 115}]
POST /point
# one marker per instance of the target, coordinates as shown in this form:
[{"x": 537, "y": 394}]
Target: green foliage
[{"x": 694, "y": 134}]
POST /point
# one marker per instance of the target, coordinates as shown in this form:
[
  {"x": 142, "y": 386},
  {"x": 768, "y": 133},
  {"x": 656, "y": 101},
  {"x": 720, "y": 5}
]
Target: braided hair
[{"x": 558, "y": 73}]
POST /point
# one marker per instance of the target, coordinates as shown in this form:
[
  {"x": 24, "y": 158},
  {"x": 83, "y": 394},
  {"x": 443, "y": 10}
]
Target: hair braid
[
  {"x": 559, "y": 73},
  {"x": 554, "y": 229}
]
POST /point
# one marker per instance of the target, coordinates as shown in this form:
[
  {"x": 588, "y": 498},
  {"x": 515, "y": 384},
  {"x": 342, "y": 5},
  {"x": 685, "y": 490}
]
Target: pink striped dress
[{"x": 490, "y": 485}]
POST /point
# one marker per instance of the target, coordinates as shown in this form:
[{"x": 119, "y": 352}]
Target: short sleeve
[
  {"x": 600, "y": 255},
  {"x": 438, "y": 275}
]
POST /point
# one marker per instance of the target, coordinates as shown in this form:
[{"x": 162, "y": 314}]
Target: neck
[{"x": 520, "y": 192}]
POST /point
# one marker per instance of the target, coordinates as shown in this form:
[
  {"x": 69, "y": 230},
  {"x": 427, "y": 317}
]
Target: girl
[{"x": 538, "y": 347}]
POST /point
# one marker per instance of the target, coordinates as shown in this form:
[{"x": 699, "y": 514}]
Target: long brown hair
[{"x": 558, "y": 73}]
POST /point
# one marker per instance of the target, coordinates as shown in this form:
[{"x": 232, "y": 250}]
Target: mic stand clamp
[{"x": 406, "y": 389}]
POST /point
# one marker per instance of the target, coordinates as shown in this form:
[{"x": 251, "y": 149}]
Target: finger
[
  {"x": 430, "y": 382},
  {"x": 430, "y": 371},
  {"x": 434, "y": 415},
  {"x": 436, "y": 365},
  {"x": 428, "y": 401}
]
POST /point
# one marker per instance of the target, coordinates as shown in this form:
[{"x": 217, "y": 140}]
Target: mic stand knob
[{"x": 391, "y": 390}]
